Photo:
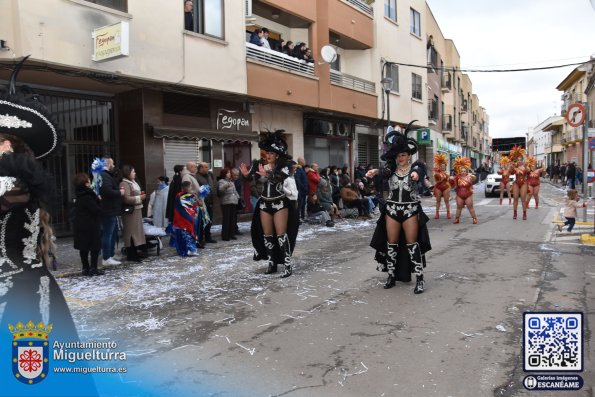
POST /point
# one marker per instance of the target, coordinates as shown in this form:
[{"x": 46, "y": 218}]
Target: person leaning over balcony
[
  {"x": 256, "y": 37},
  {"x": 265, "y": 38},
  {"x": 188, "y": 16},
  {"x": 308, "y": 56},
  {"x": 288, "y": 48},
  {"x": 298, "y": 50}
]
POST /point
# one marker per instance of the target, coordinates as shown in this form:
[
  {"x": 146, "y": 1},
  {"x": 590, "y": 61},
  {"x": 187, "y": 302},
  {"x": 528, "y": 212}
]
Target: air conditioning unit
[{"x": 248, "y": 8}]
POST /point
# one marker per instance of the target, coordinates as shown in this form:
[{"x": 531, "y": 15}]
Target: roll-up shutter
[{"x": 178, "y": 151}]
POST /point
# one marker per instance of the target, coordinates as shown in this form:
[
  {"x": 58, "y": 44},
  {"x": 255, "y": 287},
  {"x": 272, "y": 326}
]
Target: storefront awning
[{"x": 198, "y": 133}]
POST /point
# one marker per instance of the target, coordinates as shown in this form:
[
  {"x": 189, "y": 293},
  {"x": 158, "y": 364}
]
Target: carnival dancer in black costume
[
  {"x": 30, "y": 299},
  {"x": 401, "y": 238},
  {"x": 274, "y": 223}
]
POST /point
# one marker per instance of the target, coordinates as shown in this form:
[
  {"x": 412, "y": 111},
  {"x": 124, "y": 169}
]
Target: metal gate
[{"x": 89, "y": 132}]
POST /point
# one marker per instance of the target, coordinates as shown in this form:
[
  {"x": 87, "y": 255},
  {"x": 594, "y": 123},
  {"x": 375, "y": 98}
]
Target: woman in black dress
[
  {"x": 29, "y": 293},
  {"x": 401, "y": 238},
  {"x": 274, "y": 217}
]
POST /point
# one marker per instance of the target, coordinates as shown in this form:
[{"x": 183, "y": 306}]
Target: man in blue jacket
[{"x": 301, "y": 181}]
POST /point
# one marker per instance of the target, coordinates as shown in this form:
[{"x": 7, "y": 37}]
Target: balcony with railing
[
  {"x": 447, "y": 123},
  {"x": 464, "y": 105},
  {"x": 352, "y": 82},
  {"x": 352, "y": 22},
  {"x": 361, "y": 6},
  {"x": 433, "y": 58},
  {"x": 278, "y": 60},
  {"x": 432, "y": 112},
  {"x": 446, "y": 81}
]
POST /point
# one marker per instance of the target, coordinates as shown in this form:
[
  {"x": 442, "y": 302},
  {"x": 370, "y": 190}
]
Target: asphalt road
[{"x": 217, "y": 325}]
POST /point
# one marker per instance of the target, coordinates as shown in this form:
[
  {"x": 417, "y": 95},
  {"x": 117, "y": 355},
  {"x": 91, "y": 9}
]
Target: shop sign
[
  {"x": 111, "y": 41},
  {"x": 448, "y": 147},
  {"x": 423, "y": 136},
  {"x": 233, "y": 120}
]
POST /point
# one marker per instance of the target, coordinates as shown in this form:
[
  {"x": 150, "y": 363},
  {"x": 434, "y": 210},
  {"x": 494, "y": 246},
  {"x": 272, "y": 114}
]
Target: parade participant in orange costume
[
  {"x": 519, "y": 186},
  {"x": 441, "y": 185},
  {"x": 533, "y": 180},
  {"x": 505, "y": 170},
  {"x": 463, "y": 183}
]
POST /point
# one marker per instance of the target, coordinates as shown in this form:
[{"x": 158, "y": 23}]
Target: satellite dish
[{"x": 328, "y": 54}]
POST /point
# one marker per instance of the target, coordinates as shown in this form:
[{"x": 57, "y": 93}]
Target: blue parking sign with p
[{"x": 423, "y": 136}]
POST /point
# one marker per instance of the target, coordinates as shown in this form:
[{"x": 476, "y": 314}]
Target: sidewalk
[{"x": 69, "y": 262}]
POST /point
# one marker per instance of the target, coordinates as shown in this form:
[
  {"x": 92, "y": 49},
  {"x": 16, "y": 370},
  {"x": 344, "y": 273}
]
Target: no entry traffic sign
[{"x": 576, "y": 114}]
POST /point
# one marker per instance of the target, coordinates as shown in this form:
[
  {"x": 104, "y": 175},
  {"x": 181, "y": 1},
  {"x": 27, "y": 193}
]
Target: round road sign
[{"x": 576, "y": 114}]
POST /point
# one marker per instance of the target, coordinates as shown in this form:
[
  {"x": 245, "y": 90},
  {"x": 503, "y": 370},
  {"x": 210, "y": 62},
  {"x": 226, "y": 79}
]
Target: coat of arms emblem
[{"x": 30, "y": 351}]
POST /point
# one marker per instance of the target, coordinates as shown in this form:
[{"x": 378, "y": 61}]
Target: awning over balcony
[
  {"x": 554, "y": 125},
  {"x": 198, "y": 133}
]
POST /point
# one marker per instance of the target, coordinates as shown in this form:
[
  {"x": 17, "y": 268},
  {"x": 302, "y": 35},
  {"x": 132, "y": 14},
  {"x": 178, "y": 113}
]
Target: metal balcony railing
[
  {"x": 446, "y": 81},
  {"x": 278, "y": 59},
  {"x": 433, "y": 58},
  {"x": 433, "y": 111},
  {"x": 447, "y": 122},
  {"x": 361, "y": 5},
  {"x": 349, "y": 81}
]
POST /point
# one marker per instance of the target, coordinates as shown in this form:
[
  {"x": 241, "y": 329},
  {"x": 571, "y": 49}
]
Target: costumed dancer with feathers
[
  {"x": 31, "y": 301},
  {"x": 505, "y": 170},
  {"x": 275, "y": 222},
  {"x": 519, "y": 186},
  {"x": 441, "y": 185},
  {"x": 463, "y": 181},
  {"x": 401, "y": 237},
  {"x": 533, "y": 181}
]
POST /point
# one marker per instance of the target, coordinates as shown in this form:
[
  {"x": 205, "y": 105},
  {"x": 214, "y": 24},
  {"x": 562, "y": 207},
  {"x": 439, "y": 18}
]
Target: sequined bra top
[
  {"x": 402, "y": 188},
  {"x": 273, "y": 184}
]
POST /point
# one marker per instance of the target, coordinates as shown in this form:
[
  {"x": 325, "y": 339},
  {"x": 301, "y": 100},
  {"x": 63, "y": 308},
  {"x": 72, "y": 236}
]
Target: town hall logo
[{"x": 30, "y": 351}]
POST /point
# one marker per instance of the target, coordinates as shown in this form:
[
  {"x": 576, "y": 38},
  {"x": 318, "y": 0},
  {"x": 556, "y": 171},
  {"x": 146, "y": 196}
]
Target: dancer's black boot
[
  {"x": 269, "y": 244},
  {"x": 391, "y": 264},
  {"x": 416, "y": 260},
  {"x": 286, "y": 251}
]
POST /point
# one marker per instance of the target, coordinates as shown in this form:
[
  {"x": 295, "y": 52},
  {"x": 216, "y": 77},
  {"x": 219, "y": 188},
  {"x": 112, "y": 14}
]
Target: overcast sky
[{"x": 509, "y": 34}]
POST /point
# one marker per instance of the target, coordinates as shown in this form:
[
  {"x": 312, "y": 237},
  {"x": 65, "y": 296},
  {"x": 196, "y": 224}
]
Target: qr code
[{"x": 553, "y": 341}]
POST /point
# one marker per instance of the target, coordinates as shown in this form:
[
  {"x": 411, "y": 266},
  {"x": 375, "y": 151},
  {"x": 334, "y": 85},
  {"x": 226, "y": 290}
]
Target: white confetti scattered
[{"x": 251, "y": 351}]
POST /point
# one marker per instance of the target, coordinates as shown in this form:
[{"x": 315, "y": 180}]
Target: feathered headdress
[
  {"x": 23, "y": 115},
  {"x": 275, "y": 142},
  {"x": 399, "y": 143},
  {"x": 440, "y": 159},
  {"x": 504, "y": 161},
  {"x": 460, "y": 163},
  {"x": 531, "y": 162},
  {"x": 517, "y": 153}
]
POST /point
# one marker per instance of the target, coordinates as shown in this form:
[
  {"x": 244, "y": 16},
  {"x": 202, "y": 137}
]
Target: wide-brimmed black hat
[
  {"x": 275, "y": 142},
  {"x": 399, "y": 143},
  {"x": 23, "y": 115}
]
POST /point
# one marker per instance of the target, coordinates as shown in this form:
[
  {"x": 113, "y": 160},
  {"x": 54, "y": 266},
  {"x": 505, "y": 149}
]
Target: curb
[
  {"x": 558, "y": 220},
  {"x": 588, "y": 239}
]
